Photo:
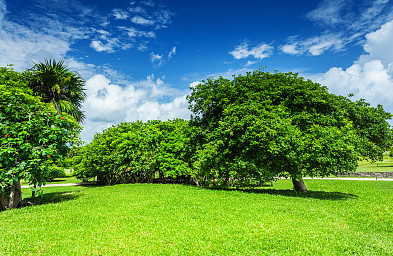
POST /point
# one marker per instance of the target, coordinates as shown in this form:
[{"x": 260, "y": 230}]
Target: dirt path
[
  {"x": 347, "y": 178},
  {"x": 64, "y": 184}
]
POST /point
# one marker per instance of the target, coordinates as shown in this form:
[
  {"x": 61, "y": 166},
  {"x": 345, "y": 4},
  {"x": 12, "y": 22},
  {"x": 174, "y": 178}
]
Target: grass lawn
[
  {"x": 334, "y": 218},
  {"x": 385, "y": 166}
]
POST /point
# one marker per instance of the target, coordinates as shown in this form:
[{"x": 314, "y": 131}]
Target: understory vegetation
[{"x": 332, "y": 218}]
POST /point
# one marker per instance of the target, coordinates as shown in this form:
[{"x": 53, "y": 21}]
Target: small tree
[
  {"x": 265, "y": 125},
  {"x": 32, "y": 136}
]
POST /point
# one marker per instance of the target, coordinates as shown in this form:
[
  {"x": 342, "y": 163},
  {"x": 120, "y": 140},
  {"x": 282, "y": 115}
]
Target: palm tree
[{"x": 56, "y": 84}]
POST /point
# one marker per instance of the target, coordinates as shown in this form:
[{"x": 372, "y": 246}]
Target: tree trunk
[
  {"x": 56, "y": 106},
  {"x": 195, "y": 179},
  {"x": 33, "y": 192},
  {"x": 3, "y": 202},
  {"x": 15, "y": 196},
  {"x": 299, "y": 185}
]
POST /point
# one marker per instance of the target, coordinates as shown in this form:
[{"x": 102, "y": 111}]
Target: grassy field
[
  {"x": 385, "y": 166},
  {"x": 334, "y": 218}
]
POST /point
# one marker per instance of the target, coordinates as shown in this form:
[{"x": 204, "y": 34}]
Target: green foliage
[
  {"x": 56, "y": 84},
  {"x": 265, "y": 125},
  {"x": 134, "y": 152},
  {"x": 56, "y": 172},
  {"x": 32, "y": 135}
]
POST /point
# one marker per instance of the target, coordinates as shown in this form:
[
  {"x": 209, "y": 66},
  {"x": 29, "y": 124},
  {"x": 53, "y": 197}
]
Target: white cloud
[
  {"x": 352, "y": 20},
  {"x": 379, "y": 44},
  {"x": 148, "y": 3},
  {"x": 156, "y": 58},
  {"x": 109, "y": 103},
  {"x": 69, "y": 21},
  {"x": 328, "y": 12},
  {"x": 371, "y": 76},
  {"x": 250, "y": 63},
  {"x": 3, "y": 9},
  {"x": 259, "y": 52},
  {"x": 290, "y": 49},
  {"x": 315, "y": 45},
  {"x": 172, "y": 52},
  {"x": 100, "y": 47},
  {"x": 137, "y": 9},
  {"x": 142, "y": 21},
  {"x": 318, "y": 45},
  {"x": 194, "y": 84},
  {"x": 133, "y": 32},
  {"x": 120, "y": 14},
  {"x": 26, "y": 46}
]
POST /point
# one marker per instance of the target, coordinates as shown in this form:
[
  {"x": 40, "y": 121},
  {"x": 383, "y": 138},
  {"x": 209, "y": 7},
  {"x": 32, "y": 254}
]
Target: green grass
[
  {"x": 334, "y": 218},
  {"x": 385, "y": 166}
]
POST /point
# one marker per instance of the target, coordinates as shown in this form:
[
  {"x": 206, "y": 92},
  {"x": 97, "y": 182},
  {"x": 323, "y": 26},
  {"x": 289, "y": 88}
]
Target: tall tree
[
  {"x": 265, "y": 125},
  {"x": 56, "y": 84}
]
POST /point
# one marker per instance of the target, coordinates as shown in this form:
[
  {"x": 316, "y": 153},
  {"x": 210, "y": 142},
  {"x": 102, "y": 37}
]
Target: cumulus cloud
[
  {"x": 260, "y": 51},
  {"x": 379, "y": 44},
  {"x": 108, "y": 103},
  {"x": 290, "y": 49},
  {"x": 371, "y": 76},
  {"x": 100, "y": 47}
]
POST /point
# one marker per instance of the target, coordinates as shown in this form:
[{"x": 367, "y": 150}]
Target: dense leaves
[
  {"x": 134, "y": 152},
  {"x": 32, "y": 135},
  {"x": 265, "y": 125}
]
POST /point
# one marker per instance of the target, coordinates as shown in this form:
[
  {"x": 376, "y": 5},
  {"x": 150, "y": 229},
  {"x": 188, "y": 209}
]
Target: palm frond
[{"x": 55, "y": 83}]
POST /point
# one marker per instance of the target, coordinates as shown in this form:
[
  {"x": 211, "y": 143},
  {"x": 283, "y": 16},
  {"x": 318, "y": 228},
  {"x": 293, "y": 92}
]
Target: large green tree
[
  {"x": 264, "y": 125},
  {"x": 56, "y": 84},
  {"x": 32, "y": 137}
]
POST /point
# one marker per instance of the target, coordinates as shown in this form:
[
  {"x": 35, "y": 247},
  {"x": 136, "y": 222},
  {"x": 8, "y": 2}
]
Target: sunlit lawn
[
  {"x": 334, "y": 218},
  {"x": 385, "y": 166}
]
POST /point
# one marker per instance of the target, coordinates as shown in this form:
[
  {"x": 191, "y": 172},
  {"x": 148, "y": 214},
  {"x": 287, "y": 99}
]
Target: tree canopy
[{"x": 265, "y": 125}]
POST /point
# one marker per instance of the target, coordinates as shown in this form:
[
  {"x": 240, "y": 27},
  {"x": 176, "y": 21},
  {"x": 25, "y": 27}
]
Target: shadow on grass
[
  {"x": 48, "y": 198},
  {"x": 322, "y": 195}
]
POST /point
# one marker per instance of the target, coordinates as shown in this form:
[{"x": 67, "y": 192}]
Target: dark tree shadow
[
  {"x": 56, "y": 180},
  {"x": 89, "y": 184},
  {"x": 322, "y": 195},
  {"x": 48, "y": 198}
]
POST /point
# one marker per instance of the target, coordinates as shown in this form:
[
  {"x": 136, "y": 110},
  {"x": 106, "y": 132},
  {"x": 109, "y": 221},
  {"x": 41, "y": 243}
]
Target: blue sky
[{"x": 139, "y": 58}]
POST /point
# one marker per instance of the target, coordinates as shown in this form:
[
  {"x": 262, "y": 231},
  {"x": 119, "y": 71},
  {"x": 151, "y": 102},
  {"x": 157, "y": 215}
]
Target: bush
[
  {"x": 134, "y": 152},
  {"x": 56, "y": 172}
]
